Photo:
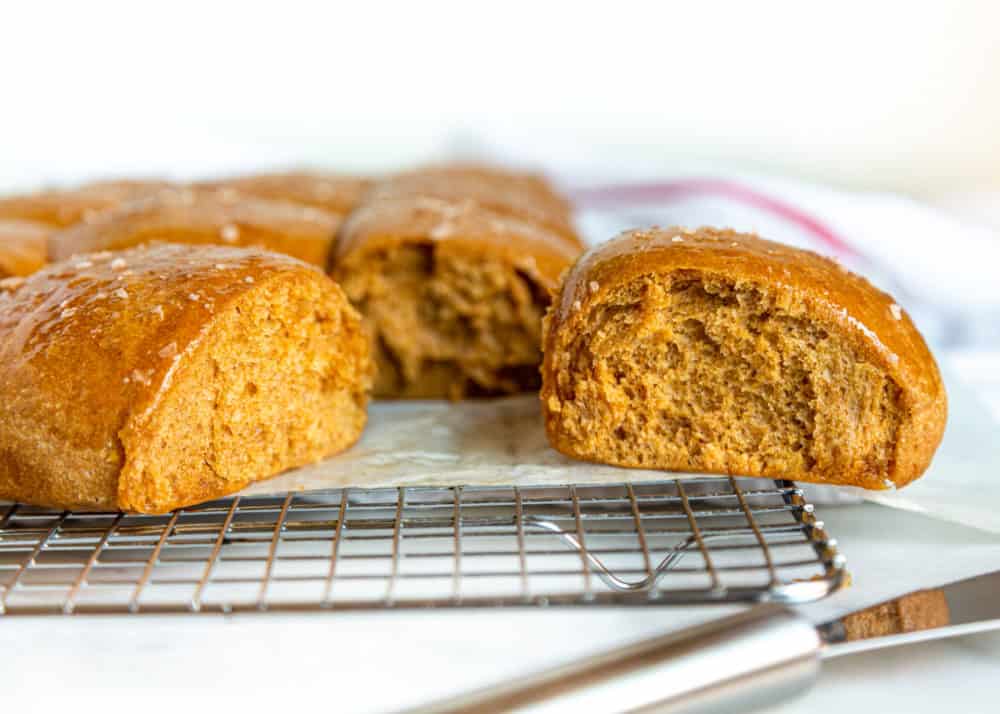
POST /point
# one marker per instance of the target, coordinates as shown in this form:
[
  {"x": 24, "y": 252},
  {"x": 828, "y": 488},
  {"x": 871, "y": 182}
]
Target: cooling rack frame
[{"x": 679, "y": 541}]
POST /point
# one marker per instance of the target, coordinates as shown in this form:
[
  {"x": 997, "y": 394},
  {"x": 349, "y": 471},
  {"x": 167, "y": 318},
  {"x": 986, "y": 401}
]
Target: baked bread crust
[
  {"x": 153, "y": 378},
  {"x": 66, "y": 207},
  {"x": 22, "y": 246},
  {"x": 204, "y": 217},
  {"x": 801, "y": 285},
  {"x": 521, "y": 195},
  {"x": 335, "y": 193}
]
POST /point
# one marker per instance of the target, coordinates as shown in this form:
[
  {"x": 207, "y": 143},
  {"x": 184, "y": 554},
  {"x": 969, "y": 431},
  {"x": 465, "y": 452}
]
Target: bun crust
[
  {"x": 768, "y": 361},
  {"x": 67, "y": 207},
  {"x": 520, "y": 195},
  {"x": 200, "y": 217},
  {"x": 154, "y": 378},
  {"x": 336, "y": 193},
  {"x": 22, "y": 246}
]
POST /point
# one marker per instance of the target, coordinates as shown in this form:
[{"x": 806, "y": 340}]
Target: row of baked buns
[
  {"x": 451, "y": 266},
  {"x": 188, "y": 340}
]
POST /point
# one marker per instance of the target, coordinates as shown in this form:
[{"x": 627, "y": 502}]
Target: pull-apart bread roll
[
  {"x": 714, "y": 351},
  {"x": 22, "y": 246},
  {"x": 453, "y": 292},
  {"x": 204, "y": 217},
  {"x": 337, "y": 193},
  {"x": 67, "y": 207},
  {"x": 154, "y": 378},
  {"x": 522, "y": 195}
]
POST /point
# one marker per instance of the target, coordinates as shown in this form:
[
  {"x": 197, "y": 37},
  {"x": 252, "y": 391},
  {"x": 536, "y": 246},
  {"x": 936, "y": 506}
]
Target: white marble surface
[
  {"x": 957, "y": 675},
  {"x": 377, "y": 662}
]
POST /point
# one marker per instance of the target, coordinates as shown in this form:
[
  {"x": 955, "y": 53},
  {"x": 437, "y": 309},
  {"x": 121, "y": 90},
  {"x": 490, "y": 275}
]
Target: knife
[{"x": 753, "y": 659}]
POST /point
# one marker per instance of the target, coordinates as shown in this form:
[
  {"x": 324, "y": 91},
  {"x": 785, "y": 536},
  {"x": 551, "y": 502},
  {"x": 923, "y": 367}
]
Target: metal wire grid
[{"x": 702, "y": 540}]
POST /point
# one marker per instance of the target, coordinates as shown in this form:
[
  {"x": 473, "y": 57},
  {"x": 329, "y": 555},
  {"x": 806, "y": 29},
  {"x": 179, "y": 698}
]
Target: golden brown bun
[
  {"x": 454, "y": 293},
  {"x": 158, "y": 377},
  {"x": 335, "y": 193},
  {"x": 204, "y": 217},
  {"x": 716, "y": 351},
  {"x": 66, "y": 207},
  {"x": 521, "y": 195},
  {"x": 22, "y": 246}
]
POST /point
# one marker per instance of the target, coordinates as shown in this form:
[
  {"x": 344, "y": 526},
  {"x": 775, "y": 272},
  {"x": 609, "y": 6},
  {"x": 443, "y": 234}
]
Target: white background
[{"x": 890, "y": 95}]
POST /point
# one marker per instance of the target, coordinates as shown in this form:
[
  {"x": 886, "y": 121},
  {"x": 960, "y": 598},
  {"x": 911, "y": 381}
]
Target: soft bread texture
[
  {"x": 154, "y": 378},
  {"x": 66, "y": 207},
  {"x": 22, "y": 246},
  {"x": 452, "y": 290},
  {"x": 204, "y": 216},
  {"x": 715, "y": 351},
  {"x": 336, "y": 193},
  {"x": 920, "y": 610}
]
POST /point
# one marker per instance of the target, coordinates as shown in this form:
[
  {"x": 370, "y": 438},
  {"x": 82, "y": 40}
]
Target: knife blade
[
  {"x": 756, "y": 658},
  {"x": 962, "y": 607}
]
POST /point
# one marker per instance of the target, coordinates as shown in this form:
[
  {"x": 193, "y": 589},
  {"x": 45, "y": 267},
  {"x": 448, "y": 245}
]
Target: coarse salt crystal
[
  {"x": 118, "y": 264},
  {"x": 12, "y": 283},
  {"x": 83, "y": 264},
  {"x": 158, "y": 311},
  {"x": 313, "y": 214},
  {"x": 120, "y": 293},
  {"x": 248, "y": 280},
  {"x": 441, "y": 231},
  {"x": 230, "y": 233},
  {"x": 221, "y": 266},
  {"x": 594, "y": 286},
  {"x": 677, "y": 239},
  {"x": 897, "y": 311},
  {"x": 577, "y": 305},
  {"x": 68, "y": 312},
  {"x": 194, "y": 297}
]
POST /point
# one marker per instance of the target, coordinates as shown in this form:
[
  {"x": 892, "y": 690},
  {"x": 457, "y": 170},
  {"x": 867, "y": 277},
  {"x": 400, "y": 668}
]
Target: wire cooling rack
[{"x": 701, "y": 540}]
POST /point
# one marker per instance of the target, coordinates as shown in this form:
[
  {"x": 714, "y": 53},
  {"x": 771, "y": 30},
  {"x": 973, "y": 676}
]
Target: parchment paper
[
  {"x": 502, "y": 442},
  {"x": 492, "y": 442}
]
